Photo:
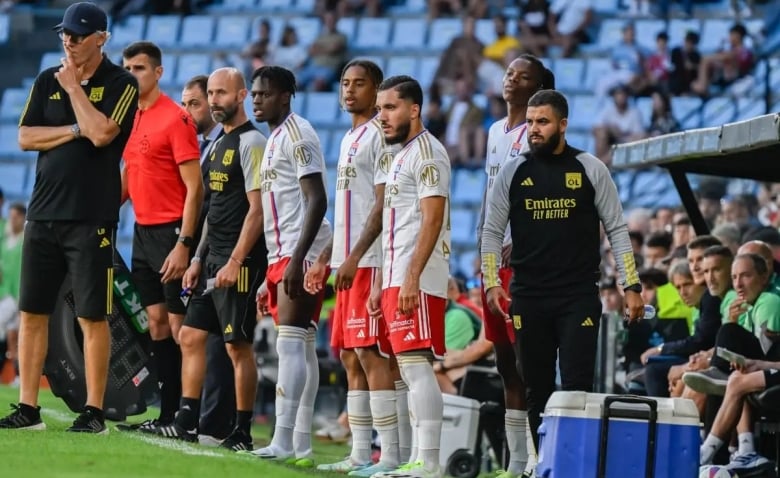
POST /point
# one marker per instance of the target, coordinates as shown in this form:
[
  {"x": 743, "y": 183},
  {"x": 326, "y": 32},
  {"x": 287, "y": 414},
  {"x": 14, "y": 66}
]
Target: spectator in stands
[
  {"x": 568, "y": 23},
  {"x": 618, "y": 122},
  {"x": 708, "y": 195},
  {"x": 457, "y": 292},
  {"x": 348, "y": 8},
  {"x": 326, "y": 56},
  {"x": 768, "y": 235},
  {"x": 741, "y": 9},
  {"x": 534, "y": 28},
  {"x": 663, "y": 7},
  {"x": 10, "y": 273},
  {"x": 461, "y": 58},
  {"x": 729, "y": 235},
  {"x": 628, "y": 67},
  {"x": 289, "y": 53},
  {"x": 637, "y": 241},
  {"x": 662, "y": 119},
  {"x": 465, "y": 137},
  {"x": 682, "y": 231},
  {"x": 256, "y": 52},
  {"x": 461, "y": 326},
  {"x": 736, "y": 209},
  {"x": 503, "y": 43},
  {"x": 474, "y": 8},
  {"x": 659, "y": 64},
  {"x": 657, "y": 247},
  {"x": 435, "y": 119},
  {"x": 724, "y": 68},
  {"x": 663, "y": 219},
  {"x": 639, "y": 219},
  {"x": 685, "y": 64}
]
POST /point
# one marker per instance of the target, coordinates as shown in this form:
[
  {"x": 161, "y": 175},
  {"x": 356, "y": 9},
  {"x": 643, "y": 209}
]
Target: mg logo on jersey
[
  {"x": 573, "y": 180},
  {"x": 430, "y": 175},
  {"x": 227, "y": 158}
]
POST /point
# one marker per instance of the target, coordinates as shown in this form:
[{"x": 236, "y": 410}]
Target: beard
[
  {"x": 401, "y": 134},
  {"x": 546, "y": 148},
  {"x": 224, "y": 114}
]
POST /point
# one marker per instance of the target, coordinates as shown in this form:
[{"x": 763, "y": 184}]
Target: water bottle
[{"x": 649, "y": 312}]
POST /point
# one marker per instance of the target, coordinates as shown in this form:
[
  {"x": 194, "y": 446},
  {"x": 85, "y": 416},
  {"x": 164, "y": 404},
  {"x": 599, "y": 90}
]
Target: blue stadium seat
[
  {"x": 485, "y": 31},
  {"x": 331, "y": 178},
  {"x": 646, "y": 31},
  {"x": 12, "y": 104},
  {"x": 305, "y": 6},
  {"x": 9, "y": 144},
  {"x": 299, "y": 102},
  {"x": 713, "y": 33},
  {"x": 623, "y": 180},
  {"x": 347, "y": 26},
  {"x": 754, "y": 26},
  {"x": 718, "y": 111},
  {"x": 409, "y": 34},
  {"x": 163, "y": 30},
  {"x": 468, "y": 186},
  {"x": 402, "y": 65},
  {"x": 649, "y": 186},
  {"x": 334, "y": 147},
  {"x": 5, "y": 27},
  {"x": 197, "y": 30},
  {"x": 465, "y": 262},
  {"x": 273, "y": 5},
  {"x": 127, "y": 31},
  {"x": 569, "y": 73},
  {"x": 192, "y": 64},
  {"x": 14, "y": 179},
  {"x": 595, "y": 70},
  {"x": 343, "y": 119},
  {"x": 678, "y": 27},
  {"x": 238, "y": 4},
  {"x": 462, "y": 226},
  {"x": 774, "y": 74},
  {"x": 610, "y": 33},
  {"x": 325, "y": 138},
  {"x": 169, "y": 69},
  {"x": 442, "y": 31},
  {"x": 685, "y": 110},
  {"x": 427, "y": 70},
  {"x": 232, "y": 31},
  {"x": 579, "y": 140},
  {"x": 645, "y": 107},
  {"x": 307, "y": 29},
  {"x": 606, "y": 6},
  {"x": 379, "y": 60},
  {"x": 583, "y": 111},
  {"x": 321, "y": 108},
  {"x": 372, "y": 33},
  {"x": 50, "y": 59},
  {"x": 750, "y": 108}
]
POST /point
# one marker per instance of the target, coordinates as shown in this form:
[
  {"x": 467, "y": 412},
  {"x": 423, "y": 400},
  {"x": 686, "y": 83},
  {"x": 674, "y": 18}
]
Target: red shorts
[
  {"x": 352, "y": 327},
  {"x": 498, "y": 329},
  {"x": 274, "y": 276},
  {"x": 423, "y": 329}
]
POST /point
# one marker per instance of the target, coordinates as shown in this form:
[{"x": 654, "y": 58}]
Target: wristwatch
[
  {"x": 187, "y": 241},
  {"x": 634, "y": 288},
  {"x": 76, "y": 130}
]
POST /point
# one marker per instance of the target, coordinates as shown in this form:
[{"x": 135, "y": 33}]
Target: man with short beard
[{"x": 554, "y": 198}]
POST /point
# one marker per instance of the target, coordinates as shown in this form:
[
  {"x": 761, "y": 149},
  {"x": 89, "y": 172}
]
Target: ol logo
[
  {"x": 573, "y": 180},
  {"x": 227, "y": 158},
  {"x": 96, "y": 94}
]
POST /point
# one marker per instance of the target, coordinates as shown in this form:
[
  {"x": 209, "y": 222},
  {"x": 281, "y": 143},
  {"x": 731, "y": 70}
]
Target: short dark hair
[
  {"x": 552, "y": 98},
  {"x": 767, "y": 234},
  {"x": 662, "y": 36},
  {"x": 659, "y": 239},
  {"x": 655, "y": 277},
  {"x": 407, "y": 87},
  {"x": 199, "y": 81},
  {"x": 703, "y": 242},
  {"x": 279, "y": 77},
  {"x": 759, "y": 263},
  {"x": 144, "y": 48},
  {"x": 720, "y": 251},
  {"x": 739, "y": 29},
  {"x": 637, "y": 236},
  {"x": 692, "y": 36},
  {"x": 18, "y": 207}
]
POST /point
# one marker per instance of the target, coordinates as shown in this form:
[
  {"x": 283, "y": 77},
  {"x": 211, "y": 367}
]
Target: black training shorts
[
  {"x": 151, "y": 245},
  {"x": 54, "y": 250}
]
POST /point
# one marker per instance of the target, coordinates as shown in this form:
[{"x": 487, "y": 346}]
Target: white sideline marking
[
  {"x": 170, "y": 444},
  {"x": 57, "y": 415}
]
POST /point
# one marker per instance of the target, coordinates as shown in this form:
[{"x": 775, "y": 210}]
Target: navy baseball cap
[{"x": 83, "y": 18}]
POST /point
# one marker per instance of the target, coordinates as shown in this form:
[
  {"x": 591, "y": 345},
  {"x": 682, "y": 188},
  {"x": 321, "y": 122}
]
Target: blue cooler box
[{"x": 639, "y": 438}]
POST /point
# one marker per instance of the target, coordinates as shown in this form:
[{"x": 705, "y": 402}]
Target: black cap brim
[{"x": 77, "y": 29}]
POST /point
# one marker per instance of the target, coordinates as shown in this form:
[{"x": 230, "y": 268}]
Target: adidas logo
[
  {"x": 587, "y": 322},
  {"x": 279, "y": 391},
  {"x": 105, "y": 242},
  {"x": 56, "y": 96},
  {"x": 229, "y": 329},
  {"x": 409, "y": 337},
  {"x": 361, "y": 335},
  {"x": 527, "y": 182}
]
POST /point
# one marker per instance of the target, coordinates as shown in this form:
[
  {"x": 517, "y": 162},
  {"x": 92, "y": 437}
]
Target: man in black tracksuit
[{"x": 554, "y": 198}]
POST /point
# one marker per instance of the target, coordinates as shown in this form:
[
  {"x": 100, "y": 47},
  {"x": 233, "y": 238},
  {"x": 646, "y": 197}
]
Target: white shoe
[
  {"x": 270, "y": 453},
  {"x": 209, "y": 441}
]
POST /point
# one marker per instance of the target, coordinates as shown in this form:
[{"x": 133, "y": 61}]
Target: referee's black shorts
[
  {"x": 151, "y": 245},
  {"x": 231, "y": 311},
  {"x": 53, "y": 250}
]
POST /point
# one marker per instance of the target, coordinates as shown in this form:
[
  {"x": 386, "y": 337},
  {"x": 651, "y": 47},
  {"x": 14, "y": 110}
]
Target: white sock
[
  {"x": 385, "y": 417},
  {"x": 305, "y": 415},
  {"x": 708, "y": 449},
  {"x": 291, "y": 349},
  {"x": 404, "y": 424},
  {"x": 428, "y": 407},
  {"x": 516, "y": 422},
  {"x": 745, "y": 443},
  {"x": 530, "y": 465},
  {"x": 359, "y": 416}
]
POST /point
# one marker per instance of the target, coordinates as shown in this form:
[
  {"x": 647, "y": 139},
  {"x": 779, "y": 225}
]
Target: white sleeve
[
  {"x": 432, "y": 176},
  {"x": 307, "y": 154}
]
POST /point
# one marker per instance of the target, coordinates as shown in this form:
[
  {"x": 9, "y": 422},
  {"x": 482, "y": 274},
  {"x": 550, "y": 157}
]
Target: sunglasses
[{"x": 73, "y": 38}]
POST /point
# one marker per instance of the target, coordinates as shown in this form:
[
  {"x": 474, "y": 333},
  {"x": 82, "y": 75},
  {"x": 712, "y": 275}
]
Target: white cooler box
[
  {"x": 590, "y": 435},
  {"x": 459, "y": 429}
]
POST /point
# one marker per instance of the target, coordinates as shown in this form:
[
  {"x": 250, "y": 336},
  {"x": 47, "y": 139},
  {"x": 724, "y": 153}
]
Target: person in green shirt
[
  {"x": 10, "y": 272},
  {"x": 459, "y": 326}
]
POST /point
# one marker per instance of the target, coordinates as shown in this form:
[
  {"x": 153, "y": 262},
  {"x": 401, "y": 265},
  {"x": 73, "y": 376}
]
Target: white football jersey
[
  {"x": 292, "y": 152},
  {"x": 420, "y": 169},
  {"x": 364, "y": 160}
]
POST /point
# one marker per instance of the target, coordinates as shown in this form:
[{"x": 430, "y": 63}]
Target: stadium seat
[
  {"x": 645, "y": 107},
  {"x": 127, "y": 31},
  {"x": 321, "y": 108},
  {"x": 610, "y": 33},
  {"x": 169, "y": 69},
  {"x": 379, "y": 60},
  {"x": 232, "y": 31},
  {"x": 331, "y": 178},
  {"x": 50, "y": 59},
  {"x": 409, "y": 34},
  {"x": 718, "y": 111},
  {"x": 646, "y": 31},
  {"x": 468, "y": 186},
  {"x": 649, "y": 186},
  {"x": 324, "y": 136},
  {"x": 334, "y": 147},
  {"x": 14, "y": 178},
  {"x": 485, "y": 31},
  {"x": 304, "y": 6},
  {"x": 9, "y": 144},
  {"x": 163, "y": 30},
  {"x": 372, "y": 33},
  {"x": 343, "y": 119},
  {"x": 12, "y": 104},
  {"x": 192, "y": 64},
  {"x": 713, "y": 33},
  {"x": 5, "y": 27},
  {"x": 583, "y": 111},
  {"x": 678, "y": 27},
  {"x": 466, "y": 260},
  {"x": 750, "y": 108},
  {"x": 623, "y": 180},
  {"x": 578, "y": 140},
  {"x": 606, "y": 6},
  {"x": 402, "y": 65},
  {"x": 197, "y": 30},
  {"x": 686, "y": 111},
  {"x": 442, "y": 31},
  {"x": 427, "y": 71},
  {"x": 462, "y": 226},
  {"x": 595, "y": 70},
  {"x": 238, "y": 4},
  {"x": 347, "y": 26},
  {"x": 273, "y": 5},
  {"x": 307, "y": 29},
  {"x": 569, "y": 73}
]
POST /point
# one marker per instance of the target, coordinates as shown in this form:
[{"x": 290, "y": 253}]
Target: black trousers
[
  {"x": 739, "y": 340},
  {"x": 657, "y": 377},
  {"x": 218, "y": 404},
  {"x": 549, "y": 329}
]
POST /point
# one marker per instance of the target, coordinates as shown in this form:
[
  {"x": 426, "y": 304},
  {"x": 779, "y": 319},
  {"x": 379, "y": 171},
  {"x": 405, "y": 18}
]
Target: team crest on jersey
[
  {"x": 96, "y": 94},
  {"x": 227, "y": 158},
  {"x": 515, "y": 151},
  {"x": 384, "y": 162},
  {"x": 302, "y": 155},
  {"x": 573, "y": 180},
  {"x": 430, "y": 175},
  {"x": 353, "y": 149}
]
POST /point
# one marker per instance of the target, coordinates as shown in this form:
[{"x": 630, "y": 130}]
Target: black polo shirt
[{"x": 78, "y": 181}]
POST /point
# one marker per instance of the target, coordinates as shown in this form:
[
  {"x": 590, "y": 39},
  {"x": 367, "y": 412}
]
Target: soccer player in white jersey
[
  {"x": 296, "y": 232},
  {"x": 415, "y": 271},
  {"x": 506, "y": 140},
  {"x": 357, "y": 255}
]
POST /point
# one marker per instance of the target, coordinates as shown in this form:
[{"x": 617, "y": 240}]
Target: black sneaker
[
  {"x": 23, "y": 418},
  {"x": 176, "y": 431},
  {"x": 89, "y": 422},
  {"x": 144, "y": 426},
  {"x": 239, "y": 440}
]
